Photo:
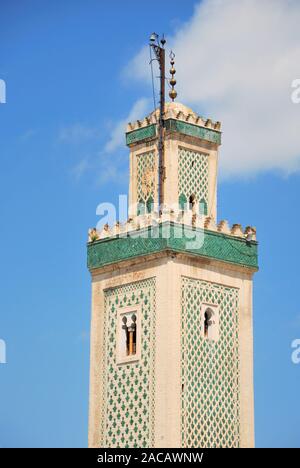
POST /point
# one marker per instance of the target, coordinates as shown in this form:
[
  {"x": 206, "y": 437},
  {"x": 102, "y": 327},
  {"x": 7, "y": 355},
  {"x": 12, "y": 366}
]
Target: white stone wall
[{"x": 168, "y": 271}]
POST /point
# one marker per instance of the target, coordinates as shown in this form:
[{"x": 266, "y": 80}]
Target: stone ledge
[{"x": 181, "y": 238}]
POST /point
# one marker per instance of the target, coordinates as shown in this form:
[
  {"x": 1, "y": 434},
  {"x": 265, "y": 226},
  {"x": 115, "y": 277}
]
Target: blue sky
[{"x": 67, "y": 68}]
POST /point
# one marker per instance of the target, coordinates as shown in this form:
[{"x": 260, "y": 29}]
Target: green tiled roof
[{"x": 209, "y": 244}]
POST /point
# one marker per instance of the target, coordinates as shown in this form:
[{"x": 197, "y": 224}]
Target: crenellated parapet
[
  {"x": 185, "y": 218},
  {"x": 178, "y": 118},
  {"x": 175, "y": 111}
]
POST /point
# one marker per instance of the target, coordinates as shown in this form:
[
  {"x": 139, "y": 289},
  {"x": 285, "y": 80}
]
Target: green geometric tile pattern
[
  {"x": 128, "y": 389},
  {"x": 146, "y": 241},
  {"x": 144, "y": 133},
  {"x": 174, "y": 126},
  {"x": 186, "y": 128},
  {"x": 210, "y": 406},
  {"x": 193, "y": 174}
]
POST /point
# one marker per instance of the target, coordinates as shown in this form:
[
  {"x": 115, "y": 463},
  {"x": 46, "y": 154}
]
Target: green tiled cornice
[
  {"x": 141, "y": 134},
  {"x": 173, "y": 125},
  {"x": 187, "y": 128},
  {"x": 216, "y": 246}
]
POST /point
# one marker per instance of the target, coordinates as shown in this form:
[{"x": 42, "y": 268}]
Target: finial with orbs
[{"x": 173, "y": 92}]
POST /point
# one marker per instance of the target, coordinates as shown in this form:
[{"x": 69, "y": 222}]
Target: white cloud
[
  {"x": 109, "y": 163},
  {"x": 236, "y": 61},
  {"x": 80, "y": 168},
  {"x": 28, "y": 134},
  {"x": 117, "y": 136},
  {"x": 77, "y": 133}
]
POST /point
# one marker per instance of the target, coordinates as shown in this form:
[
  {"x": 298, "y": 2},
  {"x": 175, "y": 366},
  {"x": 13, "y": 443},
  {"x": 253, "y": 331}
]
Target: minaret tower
[{"x": 171, "y": 330}]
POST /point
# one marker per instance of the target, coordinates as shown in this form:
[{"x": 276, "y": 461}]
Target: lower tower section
[
  {"x": 171, "y": 338},
  {"x": 210, "y": 365},
  {"x": 127, "y": 406}
]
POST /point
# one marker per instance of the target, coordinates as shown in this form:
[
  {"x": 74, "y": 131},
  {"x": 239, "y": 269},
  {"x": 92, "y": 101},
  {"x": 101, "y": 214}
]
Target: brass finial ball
[{"x": 173, "y": 94}]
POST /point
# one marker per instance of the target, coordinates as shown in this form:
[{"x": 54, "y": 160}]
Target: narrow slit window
[
  {"x": 207, "y": 321},
  {"x": 192, "y": 201},
  {"x": 132, "y": 336}
]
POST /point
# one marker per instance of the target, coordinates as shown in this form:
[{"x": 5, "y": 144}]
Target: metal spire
[{"x": 158, "y": 46}]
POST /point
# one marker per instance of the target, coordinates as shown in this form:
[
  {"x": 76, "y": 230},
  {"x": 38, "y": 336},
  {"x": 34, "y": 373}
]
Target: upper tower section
[
  {"x": 191, "y": 145},
  {"x": 173, "y": 188}
]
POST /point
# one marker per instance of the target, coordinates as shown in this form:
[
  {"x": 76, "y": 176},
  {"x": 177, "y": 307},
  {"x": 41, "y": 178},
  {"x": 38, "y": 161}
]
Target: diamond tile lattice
[
  {"x": 210, "y": 407},
  {"x": 128, "y": 410},
  {"x": 193, "y": 174}
]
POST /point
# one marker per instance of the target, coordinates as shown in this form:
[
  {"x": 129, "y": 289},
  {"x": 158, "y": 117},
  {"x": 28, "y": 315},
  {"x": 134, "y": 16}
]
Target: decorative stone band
[
  {"x": 183, "y": 121},
  {"x": 152, "y": 239},
  {"x": 173, "y": 125},
  {"x": 143, "y": 133},
  {"x": 186, "y": 128}
]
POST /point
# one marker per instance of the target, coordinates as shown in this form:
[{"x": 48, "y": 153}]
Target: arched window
[
  {"x": 182, "y": 202},
  {"x": 207, "y": 321},
  {"x": 129, "y": 327},
  {"x": 192, "y": 201},
  {"x": 128, "y": 347},
  {"x": 149, "y": 204},
  {"x": 210, "y": 322},
  {"x": 203, "y": 207},
  {"x": 140, "y": 208}
]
